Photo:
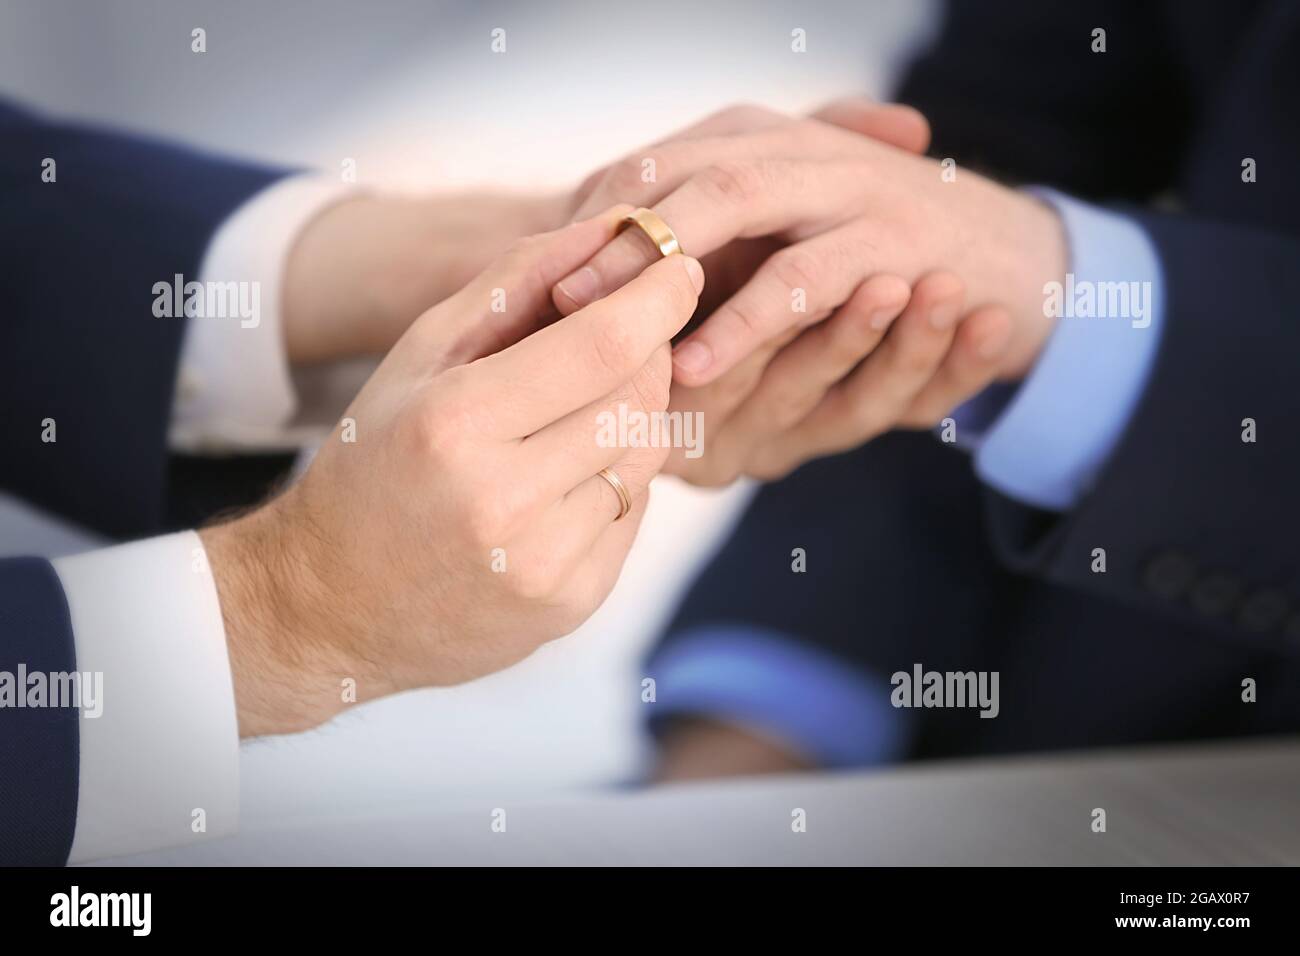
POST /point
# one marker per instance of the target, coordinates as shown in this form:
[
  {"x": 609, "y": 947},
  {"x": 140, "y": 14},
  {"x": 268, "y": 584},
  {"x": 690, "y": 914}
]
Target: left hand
[{"x": 843, "y": 209}]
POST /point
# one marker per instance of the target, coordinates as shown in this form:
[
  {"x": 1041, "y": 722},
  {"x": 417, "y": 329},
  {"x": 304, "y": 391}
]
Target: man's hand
[
  {"x": 847, "y": 207},
  {"x": 836, "y": 209},
  {"x": 892, "y": 356},
  {"x": 364, "y": 268},
  {"x": 465, "y": 524}
]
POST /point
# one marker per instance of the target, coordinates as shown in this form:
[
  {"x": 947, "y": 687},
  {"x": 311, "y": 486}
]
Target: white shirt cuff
[
  {"x": 145, "y": 615},
  {"x": 234, "y": 390}
]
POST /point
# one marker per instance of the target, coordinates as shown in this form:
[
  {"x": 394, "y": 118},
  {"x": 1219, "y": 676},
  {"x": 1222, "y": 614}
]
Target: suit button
[
  {"x": 1214, "y": 594},
  {"x": 1169, "y": 574},
  {"x": 1263, "y": 611}
]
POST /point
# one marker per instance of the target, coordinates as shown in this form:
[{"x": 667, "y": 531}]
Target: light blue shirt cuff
[
  {"x": 1050, "y": 439},
  {"x": 779, "y": 686}
]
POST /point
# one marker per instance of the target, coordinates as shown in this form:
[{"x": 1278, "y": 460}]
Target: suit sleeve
[
  {"x": 38, "y": 744},
  {"x": 1195, "y": 518},
  {"x": 1196, "y": 507},
  {"x": 92, "y": 221}
]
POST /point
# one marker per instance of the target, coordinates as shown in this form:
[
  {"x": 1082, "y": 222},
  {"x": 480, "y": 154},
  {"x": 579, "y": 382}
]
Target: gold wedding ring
[
  {"x": 615, "y": 482},
  {"x": 660, "y": 233}
]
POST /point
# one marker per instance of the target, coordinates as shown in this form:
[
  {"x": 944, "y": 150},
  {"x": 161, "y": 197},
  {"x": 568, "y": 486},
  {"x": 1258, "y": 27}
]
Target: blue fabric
[
  {"x": 914, "y": 557},
  {"x": 38, "y": 745},
  {"x": 79, "y": 344},
  {"x": 786, "y": 688},
  {"x": 1052, "y": 435}
]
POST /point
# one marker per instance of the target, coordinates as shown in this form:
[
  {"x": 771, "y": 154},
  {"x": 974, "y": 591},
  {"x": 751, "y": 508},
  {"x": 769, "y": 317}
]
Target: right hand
[{"x": 379, "y": 564}]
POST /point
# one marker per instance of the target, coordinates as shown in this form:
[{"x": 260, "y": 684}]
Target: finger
[
  {"x": 795, "y": 287},
  {"x": 587, "y": 355},
  {"x": 875, "y": 396},
  {"x": 645, "y": 177},
  {"x": 982, "y": 339},
  {"x": 892, "y": 123},
  {"x": 573, "y": 526},
  {"x": 594, "y": 504},
  {"x": 741, "y": 118},
  {"x": 506, "y": 300},
  {"x": 719, "y": 399},
  {"x": 561, "y": 455},
  {"x": 800, "y": 375},
  {"x": 750, "y": 132},
  {"x": 599, "y": 570},
  {"x": 556, "y": 551},
  {"x": 721, "y": 202}
]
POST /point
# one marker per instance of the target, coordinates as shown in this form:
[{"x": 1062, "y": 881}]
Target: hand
[
  {"x": 466, "y": 525},
  {"x": 729, "y": 267},
  {"x": 790, "y": 399},
  {"x": 365, "y": 268},
  {"x": 892, "y": 356},
  {"x": 846, "y": 207}
]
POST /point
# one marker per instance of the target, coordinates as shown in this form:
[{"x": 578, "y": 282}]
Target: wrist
[
  {"x": 1037, "y": 254},
  {"x": 288, "y": 659}
]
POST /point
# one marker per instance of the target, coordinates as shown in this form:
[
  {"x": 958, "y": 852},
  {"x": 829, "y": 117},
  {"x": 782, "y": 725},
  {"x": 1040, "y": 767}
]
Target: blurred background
[{"x": 411, "y": 91}]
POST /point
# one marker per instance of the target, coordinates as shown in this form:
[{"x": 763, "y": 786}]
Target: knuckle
[
  {"x": 732, "y": 182},
  {"x": 614, "y": 345},
  {"x": 796, "y": 268},
  {"x": 624, "y": 178},
  {"x": 522, "y": 250},
  {"x": 652, "y": 384},
  {"x": 525, "y": 263},
  {"x": 437, "y": 430},
  {"x": 748, "y": 316}
]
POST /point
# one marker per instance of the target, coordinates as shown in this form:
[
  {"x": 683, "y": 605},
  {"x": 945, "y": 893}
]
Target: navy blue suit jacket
[
  {"x": 79, "y": 344},
  {"x": 911, "y": 559}
]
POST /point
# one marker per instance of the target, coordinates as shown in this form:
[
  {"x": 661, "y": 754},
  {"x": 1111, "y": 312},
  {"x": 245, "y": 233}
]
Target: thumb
[{"x": 891, "y": 123}]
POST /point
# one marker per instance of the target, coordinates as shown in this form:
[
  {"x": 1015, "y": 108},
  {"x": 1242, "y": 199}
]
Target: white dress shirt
[{"x": 160, "y": 766}]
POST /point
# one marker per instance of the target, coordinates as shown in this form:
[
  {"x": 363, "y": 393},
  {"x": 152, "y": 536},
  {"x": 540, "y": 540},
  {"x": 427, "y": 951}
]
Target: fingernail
[
  {"x": 696, "y": 272},
  {"x": 581, "y": 287},
  {"x": 943, "y": 316},
  {"x": 692, "y": 356}
]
